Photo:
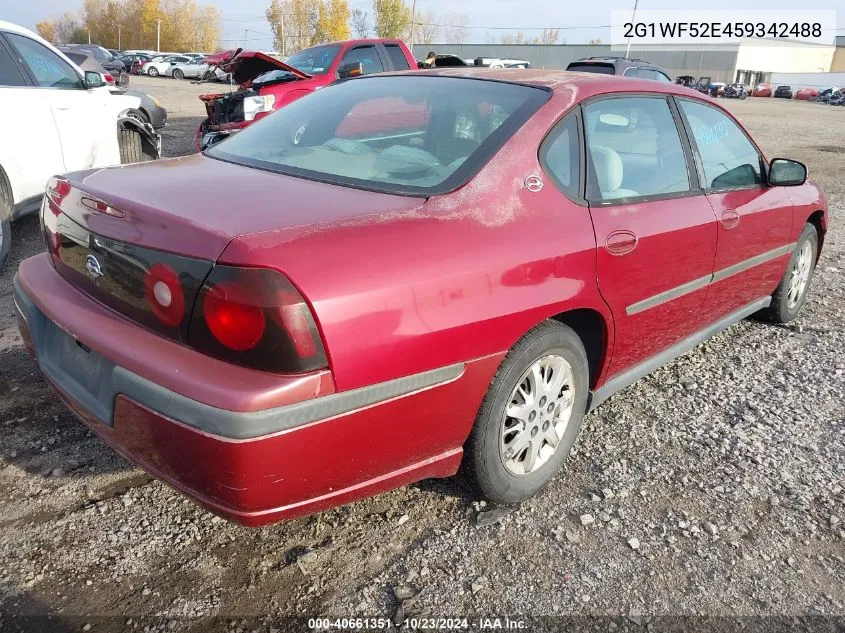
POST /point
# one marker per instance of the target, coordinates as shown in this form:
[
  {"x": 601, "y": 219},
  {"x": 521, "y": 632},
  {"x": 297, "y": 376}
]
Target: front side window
[
  {"x": 727, "y": 156},
  {"x": 397, "y": 57},
  {"x": 403, "y": 134},
  {"x": 314, "y": 61},
  {"x": 49, "y": 70},
  {"x": 368, "y": 56},
  {"x": 559, "y": 156},
  {"x": 635, "y": 149}
]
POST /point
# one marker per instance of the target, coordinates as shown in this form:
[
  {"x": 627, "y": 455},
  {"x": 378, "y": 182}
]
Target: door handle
[
  {"x": 621, "y": 242},
  {"x": 729, "y": 219}
]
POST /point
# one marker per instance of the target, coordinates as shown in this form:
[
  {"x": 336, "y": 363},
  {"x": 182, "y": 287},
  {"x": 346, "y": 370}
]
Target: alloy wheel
[
  {"x": 537, "y": 415},
  {"x": 800, "y": 275}
]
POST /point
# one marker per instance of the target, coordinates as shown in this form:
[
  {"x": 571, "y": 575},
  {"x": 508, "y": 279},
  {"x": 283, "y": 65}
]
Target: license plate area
[{"x": 78, "y": 370}]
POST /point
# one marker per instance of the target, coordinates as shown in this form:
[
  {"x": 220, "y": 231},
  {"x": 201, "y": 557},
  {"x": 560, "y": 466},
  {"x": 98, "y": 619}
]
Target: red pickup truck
[{"x": 266, "y": 84}]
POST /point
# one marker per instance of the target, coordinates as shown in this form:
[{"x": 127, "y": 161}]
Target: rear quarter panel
[{"x": 462, "y": 276}]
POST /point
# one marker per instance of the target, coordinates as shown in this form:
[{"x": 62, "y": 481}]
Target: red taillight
[
  {"x": 293, "y": 316},
  {"x": 165, "y": 295},
  {"x": 232, "y": 317},
  {"x": 256, "y": 317},
  {"x": 109, "y": 79},
  {"x": 57, "y": 190}
]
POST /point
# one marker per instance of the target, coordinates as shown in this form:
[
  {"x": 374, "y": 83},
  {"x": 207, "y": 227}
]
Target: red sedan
[
  {"x": 318, "y": 309},
  {"x": 806, "y": 94},
  {"x": 762, "y": 90}
]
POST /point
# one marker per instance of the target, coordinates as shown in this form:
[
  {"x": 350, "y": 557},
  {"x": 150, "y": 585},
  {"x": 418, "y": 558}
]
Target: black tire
[
  {"x": 483, "y": 464},
  {"x": 208, "y": 76},
  {"x": 780, "y": 310},
  {"x": 5, "y": 222},
  {"x": 178, "y": 74},
  {"x": 123, "y": 80},
  {"x": 131, "y": 150},
  {"x": 153, "y": 71}
]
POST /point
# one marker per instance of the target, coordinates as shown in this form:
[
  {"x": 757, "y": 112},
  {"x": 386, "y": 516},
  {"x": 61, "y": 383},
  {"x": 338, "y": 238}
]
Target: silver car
[{"x": 185, "y": 67}]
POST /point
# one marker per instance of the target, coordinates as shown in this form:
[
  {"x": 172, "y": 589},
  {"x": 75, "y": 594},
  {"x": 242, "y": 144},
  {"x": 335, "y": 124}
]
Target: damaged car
[
  {"x": 265, "y": 84},
  {"x": 65, "y": 119}
]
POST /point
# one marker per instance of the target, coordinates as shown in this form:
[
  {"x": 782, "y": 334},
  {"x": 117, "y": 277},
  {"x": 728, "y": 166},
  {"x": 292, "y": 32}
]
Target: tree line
[
  {"x": 297, "y": 24},
  {"x": 134, "y": 24},
  {"x": 186, "y": 25}
]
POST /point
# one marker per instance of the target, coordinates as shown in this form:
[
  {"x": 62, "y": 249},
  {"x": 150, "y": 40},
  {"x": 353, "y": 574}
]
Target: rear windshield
[
  {"x": 604, "y": 69},
  {"x": 412, "y": 134},
  {"x": 315, "y": 60}
]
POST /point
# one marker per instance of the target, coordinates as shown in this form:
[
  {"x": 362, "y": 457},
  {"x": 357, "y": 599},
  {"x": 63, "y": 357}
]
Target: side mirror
[
  {"x": 94, "y": 79},
  {"x": 350, "y": 69},
  {"x": 784, "y": 172}
]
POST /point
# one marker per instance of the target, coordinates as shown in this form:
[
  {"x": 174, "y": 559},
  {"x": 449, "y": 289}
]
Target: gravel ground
[{"x": 712, "y": 488}]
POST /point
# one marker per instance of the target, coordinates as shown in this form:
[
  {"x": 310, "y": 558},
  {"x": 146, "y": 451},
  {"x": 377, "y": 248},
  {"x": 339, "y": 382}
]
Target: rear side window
[
  {"x": 559, "y": 156},
  {"x": 49, "y": 70},
  {"x": 727, "y": 156},
  {"x": 397, "y": 57},
  {"x": 368, "y": 56},
  {"x": 604, "y": 69},
  {"x": 10, "y": 74},
  {"x": 635, "y": 149}
]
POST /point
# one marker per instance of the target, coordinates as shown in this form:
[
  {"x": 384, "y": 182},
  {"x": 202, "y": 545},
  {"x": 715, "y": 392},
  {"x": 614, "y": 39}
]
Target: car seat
[{"x": 609, "y": 173}]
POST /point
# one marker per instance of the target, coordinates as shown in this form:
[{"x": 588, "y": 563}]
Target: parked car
[
  {"x": 266, "y": 84},
  {"x": 495, "y": 62},
  {"x": 160, "y": 65},
  {"x": 827, "y": 94},
  {"x": 59, "y": 119},
  {"x": 444, "y": 60},
  {"x": 762, "y": 90},
  {"x": 783, "y": 92},
  {"x": 625, "y": 66},
  {"x": 212, "y": 72},
  {"x": 193, "y": 68},
  {"x": 527, "y": 288},
  {"x": 134, "y": 62},
  {"x": 717, "y": 88},
  {"x": 686, "y": 80},
  {"x": 115, "y": 67},
  {"x": 807, "y": 94},
  {"x": 736, "y": 91},
  {"x": 86, "y": 62}
]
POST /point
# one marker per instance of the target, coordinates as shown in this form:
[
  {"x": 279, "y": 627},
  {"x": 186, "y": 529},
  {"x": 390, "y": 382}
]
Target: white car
[
  {"x": 57, "y": 119},
  {"x": 160, "y": 65}
]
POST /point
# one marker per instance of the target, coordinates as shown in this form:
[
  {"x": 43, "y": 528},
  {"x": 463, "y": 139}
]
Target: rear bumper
[{"x": 248, "y": 463}]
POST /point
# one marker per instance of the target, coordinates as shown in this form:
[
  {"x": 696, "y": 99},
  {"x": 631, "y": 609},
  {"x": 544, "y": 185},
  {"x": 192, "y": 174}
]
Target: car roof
[{"x": 584, "y": 84}]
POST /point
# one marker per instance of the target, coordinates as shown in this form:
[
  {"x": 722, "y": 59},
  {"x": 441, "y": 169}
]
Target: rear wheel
[
  {"x": 153, "y": 71},
  {"x": 131, "y": 150},
  {"x": 123, "y": 79},
  {"x": 791, "y": 293},
  {"x": 178, "y": 74},
  {"x": 5, "y": 218},
  {"x": 530, "y": 416}
]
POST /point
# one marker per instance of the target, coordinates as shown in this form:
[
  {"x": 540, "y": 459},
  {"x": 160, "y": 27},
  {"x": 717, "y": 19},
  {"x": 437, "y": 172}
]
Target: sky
[{"x": 243, "y": 19}]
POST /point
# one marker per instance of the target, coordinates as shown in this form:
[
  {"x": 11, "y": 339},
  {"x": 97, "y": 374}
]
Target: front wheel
[
  {"x": 178, "y": 74},
  {"x": 791, "y": 293},
  {"x": 530, "y": 416},
  {"x": 123, "y": 80},
  {"x": 153, "y": 71}
]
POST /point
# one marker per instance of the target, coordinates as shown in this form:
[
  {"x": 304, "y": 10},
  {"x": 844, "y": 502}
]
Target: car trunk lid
[{"x": 116, "y": 232}]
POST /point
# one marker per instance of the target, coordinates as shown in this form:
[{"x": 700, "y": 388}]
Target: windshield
[
  {"x": 315, "y": 60},
  {"x": 413, "y": 134}
]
